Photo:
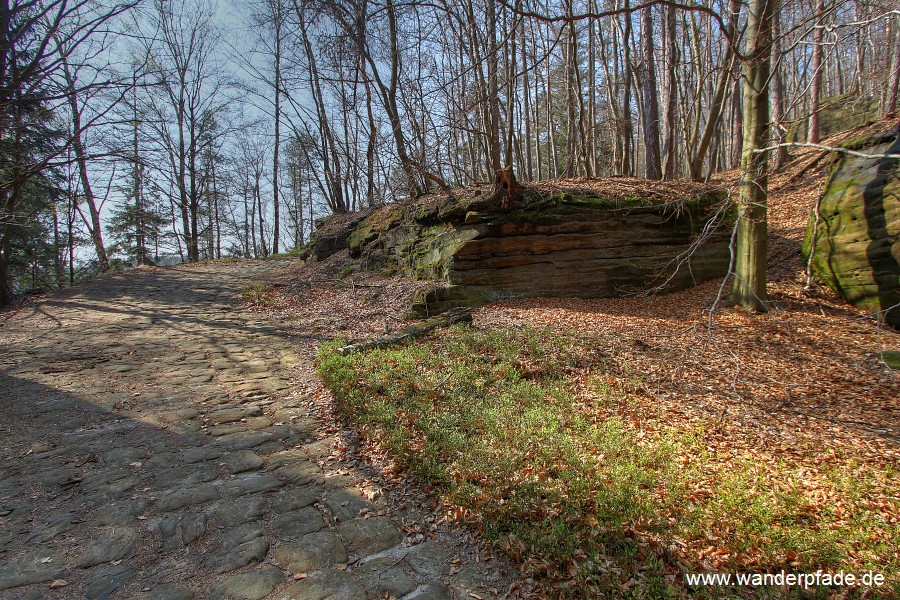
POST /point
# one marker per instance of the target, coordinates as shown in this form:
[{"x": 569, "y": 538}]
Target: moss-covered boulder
[
  {"x": 561, "y": 240},
  {"x": 855, "y": 238},
  {"x": 839, "y": 113}
]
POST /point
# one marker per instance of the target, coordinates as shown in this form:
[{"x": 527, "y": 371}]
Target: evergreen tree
[
  {"x": 136, "y": 228},
  {"x": 27, "y": 188}
]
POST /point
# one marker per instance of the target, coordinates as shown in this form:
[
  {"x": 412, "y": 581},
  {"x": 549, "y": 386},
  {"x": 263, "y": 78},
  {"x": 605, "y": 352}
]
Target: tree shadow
[
  {"x": 879, "y": 252},
  {"x": 171, "y": 293}
]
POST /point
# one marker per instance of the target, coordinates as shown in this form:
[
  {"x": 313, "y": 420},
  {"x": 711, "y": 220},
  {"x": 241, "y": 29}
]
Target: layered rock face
[
  {"x": 556, "y": 243},
  {"x": 855, "y": 239},
  {"x": 572, "y": 250}
]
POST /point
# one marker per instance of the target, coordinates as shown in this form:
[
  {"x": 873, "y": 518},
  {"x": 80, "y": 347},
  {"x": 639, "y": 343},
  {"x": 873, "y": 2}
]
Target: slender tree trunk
[
  {"x": 512, "y": 83},
  {"x": 651, "y": 103},
  {"x": 612, "y": 94},
  {"x": 526, "y": 103},
  {"x": 749, "y": 288},
  {"x": 890, "y": 106},
  {"x": 137, "y": 181},
  {"x": 668, "y": 149},
  {"x": 6, "y": 291},
  {"x": 70, "y": 230},
  {"x": 330, "y": 161},
  {"x": 816, "y": 85},
  {"x": 718, "y": 99},
  {"x": 737, "y": 125},
  {"x": 367, "y": 84},
  {"x": 389, "y": 95},
  {"x": 248, "y": 227},
  {"x": 582, "y": 112},
  {"x": 262, "y": 231},
  {"x": 552, "y": 157},
  {"x": 778, "y": 131},
  {"x": 95, "y": 227},
  {"x": 627, "y": 124},
  {"x": 571, "y": 61},
  {"x": 216, "y": 214},
  {"x": 194, "y": 192},
  {"x": 860, "y": 53},
  {"x": 592, "y": 94},
  {"x": 57, "y": 249},
  {"x": 275, "y": 150},
  {"x": 537, "y": 108},
  {"x": 184, "y": 203},
  {"x": 493, "y": 90},
  {"x": 89, "y": 198}
]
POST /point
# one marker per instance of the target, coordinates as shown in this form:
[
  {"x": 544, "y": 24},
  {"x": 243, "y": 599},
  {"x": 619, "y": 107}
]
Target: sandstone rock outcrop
[
  {"x": 855, "y": 239},
  {"x": 561, "y": 241}
]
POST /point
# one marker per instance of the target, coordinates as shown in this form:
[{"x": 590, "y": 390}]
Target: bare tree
[
  {"x": 190, "y": 91},
  {"x": 651, "y": 103},
  {"x": 749, "y": 289},
  {"x": 818, "y": 52}
]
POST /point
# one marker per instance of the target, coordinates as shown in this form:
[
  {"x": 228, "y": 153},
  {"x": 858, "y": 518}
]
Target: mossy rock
[
  {"x": 372, "y": 227},
  {"x": 570, "y": 241},
  {"x": 441, "y": 299},
  {"x": 839, "y": 113},
  {"x": 891, "y": 359},
  {"x": 856, "y": 243}
]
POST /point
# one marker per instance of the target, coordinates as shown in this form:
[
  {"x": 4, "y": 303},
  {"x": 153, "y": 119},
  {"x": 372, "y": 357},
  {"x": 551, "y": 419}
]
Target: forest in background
[{"x": 156, "y": 131}]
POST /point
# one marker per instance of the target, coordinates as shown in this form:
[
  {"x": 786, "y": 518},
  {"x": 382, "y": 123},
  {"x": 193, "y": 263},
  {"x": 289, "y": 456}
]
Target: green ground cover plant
[
  {"x": 518, "y": 432},
  {"x": 258, "y": 295}
]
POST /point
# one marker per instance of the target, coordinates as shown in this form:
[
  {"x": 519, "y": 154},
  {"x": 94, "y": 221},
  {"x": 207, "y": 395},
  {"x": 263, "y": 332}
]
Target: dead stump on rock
[{"x": 507, "y": 191}]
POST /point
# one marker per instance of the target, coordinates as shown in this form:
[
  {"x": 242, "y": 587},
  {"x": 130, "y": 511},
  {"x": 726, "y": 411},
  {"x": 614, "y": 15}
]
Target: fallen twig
[{"x": 456, "y": 315}]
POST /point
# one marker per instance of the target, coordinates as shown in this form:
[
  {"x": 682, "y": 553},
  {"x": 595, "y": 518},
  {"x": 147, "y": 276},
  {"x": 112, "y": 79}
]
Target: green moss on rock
[
  {"x": 854, "y": 244},
  {"x": 891, "y": 359},
  {"x": 372, "y": 227},
  {"x": 561, "y": 243}
]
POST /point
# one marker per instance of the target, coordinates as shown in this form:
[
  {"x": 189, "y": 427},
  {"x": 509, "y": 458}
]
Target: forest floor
[{"x": 784, "y": 426}]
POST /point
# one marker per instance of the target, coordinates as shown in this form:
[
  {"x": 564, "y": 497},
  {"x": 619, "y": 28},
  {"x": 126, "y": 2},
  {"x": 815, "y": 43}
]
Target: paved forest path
[{"x": 154, "y": 446}]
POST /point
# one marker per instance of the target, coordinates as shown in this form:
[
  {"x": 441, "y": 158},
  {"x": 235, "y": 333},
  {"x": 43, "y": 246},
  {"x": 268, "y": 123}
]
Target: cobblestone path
[{"x": 155, "y": 446}]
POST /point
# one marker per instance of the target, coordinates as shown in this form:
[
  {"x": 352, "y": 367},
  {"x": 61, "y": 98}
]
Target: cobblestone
[{"x": 154, "y": 447}]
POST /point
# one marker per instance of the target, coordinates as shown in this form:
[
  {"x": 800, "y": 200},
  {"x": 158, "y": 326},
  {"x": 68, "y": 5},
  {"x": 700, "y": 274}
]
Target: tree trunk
[
  {"x": 6, "y": 293},
  {"x": 216, "y": 212},
  {"x": 890, "y": 106},
  {"x": 749, "y": 287},
  {"x": 330, "y": 161},
  {"x": 511, "y": 83},
  {"x": 816, "y": 85},
  {"x": 370, "y": 115},
  {"x": 275, "y": 158},
  {"x": 778, "y": 132},
  {"x": 651, "y": 103},
  {"x": 194, "y": 193},
  {"x": 70, "y": 230},
  {"x": 259, "y": 208},
  {"x": 526, "y": 109},
  {"x": 571, "y": 116},
  {"x": 735, "y": 143},
  {"x": 94, "y": 227},
  {"x": 493, "y": 90},
  {"x": 627, "y": 125},
  {"x": 137, "y": 180},
  {"x": 668, "y": 150},
  {"x": 718, "y": 100},
  {"x": 507, "y": 190}
]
